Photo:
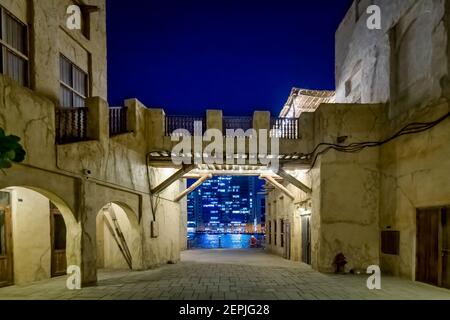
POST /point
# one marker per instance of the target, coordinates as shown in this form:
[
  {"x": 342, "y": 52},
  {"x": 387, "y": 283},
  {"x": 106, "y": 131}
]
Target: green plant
[{"x": 10, "y": 150}]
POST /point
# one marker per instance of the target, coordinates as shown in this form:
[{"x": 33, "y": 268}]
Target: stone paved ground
[{"x": 228, "y": 274}]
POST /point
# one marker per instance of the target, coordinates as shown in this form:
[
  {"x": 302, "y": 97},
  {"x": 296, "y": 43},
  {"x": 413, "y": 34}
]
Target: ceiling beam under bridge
[
  {"x": 278, "y": 185},
  {"x": 292, "y": 180},
  {"x": 192, "y": 188},
  {"x": 177, "y": 175}
]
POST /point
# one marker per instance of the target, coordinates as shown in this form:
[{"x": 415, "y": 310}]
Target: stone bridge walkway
[{"x": 228, "y": 274}]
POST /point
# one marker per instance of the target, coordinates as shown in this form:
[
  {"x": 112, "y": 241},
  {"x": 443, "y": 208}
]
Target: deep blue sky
[{"x": 236, "y": 55}]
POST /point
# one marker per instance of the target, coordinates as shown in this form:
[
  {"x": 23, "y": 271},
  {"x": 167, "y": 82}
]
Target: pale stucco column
[
  {"x": 214, "y": 119},
  {"x": 97, "y": 119},
  {"x": 88, "y": 246},
  {"x": 156, "y": 127},
  {"x": 183, "y": 218},
  {"x": 261, "y": 120},
  {"x": 134, "y": 122}
]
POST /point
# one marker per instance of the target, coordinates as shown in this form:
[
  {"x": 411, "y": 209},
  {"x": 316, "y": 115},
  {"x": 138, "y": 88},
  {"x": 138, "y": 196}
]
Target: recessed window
[
  {"x": 390, "y": 242},
  {"x": 85, "y": 23},
  {"x": 275, "y": 232},
  {"x": 13, "y": 47},
  {"x": 74, "y": 84}
]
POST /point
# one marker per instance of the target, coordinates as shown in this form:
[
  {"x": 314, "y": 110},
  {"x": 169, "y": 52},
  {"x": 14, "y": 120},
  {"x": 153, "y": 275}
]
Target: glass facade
[{"x": 226, "y": 205}]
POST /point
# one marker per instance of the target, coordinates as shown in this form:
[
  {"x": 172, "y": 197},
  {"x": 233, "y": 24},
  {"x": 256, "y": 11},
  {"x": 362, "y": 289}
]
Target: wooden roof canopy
[{"x": 304, "y": 100}]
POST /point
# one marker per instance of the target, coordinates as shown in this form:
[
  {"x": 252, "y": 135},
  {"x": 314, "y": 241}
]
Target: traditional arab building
[
  {"x": 362, "y": 172},
  {"x": 82, "y": 195},
  {"x": 380, "y": 155}
]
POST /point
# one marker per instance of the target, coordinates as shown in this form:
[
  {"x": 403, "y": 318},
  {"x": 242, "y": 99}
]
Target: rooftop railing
[
  {"x": 285, "y": 128},
  {"x": 117, "y": 120},
  {"x": 282, "y": 128},
  {"x": 188, "y": 123},
  {"x": 236, "y": 123}
]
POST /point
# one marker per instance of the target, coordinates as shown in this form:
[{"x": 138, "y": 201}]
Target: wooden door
[
  {"x": 6, "y": 256},
  {"x": 427, "y": 246},
  {"x": 445, "y": 220},
  {"x": 306, "y": 240},
  {"x": 58, "y": 245},
  {"x": 287, "y": 242}
]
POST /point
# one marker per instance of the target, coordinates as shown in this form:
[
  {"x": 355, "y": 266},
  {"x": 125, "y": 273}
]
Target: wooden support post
[
  {"x": 278, "y": 185},
  {"x": 177, "y": 175},
  {"x": 197, "y": 184},
  {"x": 292, "y": 180}
]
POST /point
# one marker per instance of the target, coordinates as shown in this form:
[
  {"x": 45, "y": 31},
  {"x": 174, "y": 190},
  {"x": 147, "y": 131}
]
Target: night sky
[{"x": 236, "y": 55}]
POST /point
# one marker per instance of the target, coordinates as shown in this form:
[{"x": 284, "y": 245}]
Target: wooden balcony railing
[
  {"x": 117, "y": 120},
  {"x": 284, "y": 128},
  {"x": 235, "y": 123},
  {"x": 189, "y": 123},
  {"x": 71, "y": 125}
]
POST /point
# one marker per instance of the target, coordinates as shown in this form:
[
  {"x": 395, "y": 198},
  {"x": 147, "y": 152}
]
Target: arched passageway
[
  {"x": 118, "y": 238},
  {"x": 38, "y": 235}
]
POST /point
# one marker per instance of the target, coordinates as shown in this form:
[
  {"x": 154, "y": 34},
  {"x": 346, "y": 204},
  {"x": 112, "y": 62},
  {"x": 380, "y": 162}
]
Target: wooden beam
[
  {"x": 177, "y": 175},
  {"x": 197, "y": 184},
  {"x": 192, "y": 176},
  {"x": 292, "y": 180},
  {"x": 278, "y": 185}
]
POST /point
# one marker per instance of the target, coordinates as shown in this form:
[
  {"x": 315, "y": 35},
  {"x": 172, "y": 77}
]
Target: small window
[
  {"x": 86, "y": 23},
  {"x": 390, "y": 242},
  {"x": 73, "y": 81},
  {"x": 13, "y": 47},
  {"x": 282, "y": 233}
]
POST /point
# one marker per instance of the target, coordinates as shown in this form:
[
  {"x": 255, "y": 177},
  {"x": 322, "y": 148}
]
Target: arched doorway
[
  {"x": 118, "y": 238},
  {"x": 37, "y": 234}
]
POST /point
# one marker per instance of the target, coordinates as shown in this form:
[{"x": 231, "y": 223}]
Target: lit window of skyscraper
[{"x": 224, "y": 201}]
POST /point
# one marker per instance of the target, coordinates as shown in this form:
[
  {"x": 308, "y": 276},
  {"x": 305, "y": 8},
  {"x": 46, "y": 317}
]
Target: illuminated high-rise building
[{"x": 224, "y": 204}]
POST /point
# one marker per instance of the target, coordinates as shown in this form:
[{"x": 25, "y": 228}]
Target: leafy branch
[{"x": 11, "y": 151}]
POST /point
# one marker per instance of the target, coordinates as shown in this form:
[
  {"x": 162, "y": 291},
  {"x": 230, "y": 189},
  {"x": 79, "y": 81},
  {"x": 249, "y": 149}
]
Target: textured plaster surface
[{"x": 220, "y": 275}]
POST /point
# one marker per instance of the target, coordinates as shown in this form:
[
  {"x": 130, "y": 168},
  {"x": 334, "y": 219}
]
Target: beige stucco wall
[
  {"x": 349, "y": 187},
  {"x": 51, "y": 37},
  {"x": 345, "y": 191},
  {"x": 406, "y": 62},
  {"x": 406, "y": 65},
  {"x": 414, "y": 175},
  {"x": 359, "y": 195},
  {"x": 17, "y": 7}
]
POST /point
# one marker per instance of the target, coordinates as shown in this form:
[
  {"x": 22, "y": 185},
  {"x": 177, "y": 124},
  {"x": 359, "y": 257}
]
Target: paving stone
[{"x": 231, "y": 275}]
